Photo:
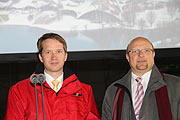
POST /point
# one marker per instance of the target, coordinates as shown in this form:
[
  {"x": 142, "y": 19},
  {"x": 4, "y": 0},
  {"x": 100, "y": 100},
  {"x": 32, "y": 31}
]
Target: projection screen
[{"x": 88, "y": 25}]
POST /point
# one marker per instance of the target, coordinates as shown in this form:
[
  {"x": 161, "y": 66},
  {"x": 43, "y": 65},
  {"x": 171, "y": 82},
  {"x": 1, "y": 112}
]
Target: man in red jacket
[{"x": 68, "y": 99}]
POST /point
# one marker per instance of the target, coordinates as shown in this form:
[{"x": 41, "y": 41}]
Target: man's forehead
[{"x": 140, "y": 43}]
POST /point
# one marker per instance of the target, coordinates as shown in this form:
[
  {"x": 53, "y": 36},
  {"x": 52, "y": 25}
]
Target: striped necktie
[
  {"x": 55, "y": 83},
  {"x": 139, "y": 95}
]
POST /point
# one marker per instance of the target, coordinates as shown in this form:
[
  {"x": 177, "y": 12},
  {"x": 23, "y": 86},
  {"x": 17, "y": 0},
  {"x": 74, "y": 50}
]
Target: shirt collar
[
  {"x": 145, "y": 79},
  {"x": 145, "y": 76},
  {"x": 49, "y": 79}
]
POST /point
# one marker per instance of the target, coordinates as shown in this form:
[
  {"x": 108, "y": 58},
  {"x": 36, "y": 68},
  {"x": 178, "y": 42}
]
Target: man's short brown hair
[{"x": 50, "y": 36}]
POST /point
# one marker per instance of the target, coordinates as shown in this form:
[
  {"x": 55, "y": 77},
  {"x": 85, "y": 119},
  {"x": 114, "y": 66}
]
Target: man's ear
[
  {"x": 154, "y": 54},
  {"x": 127, "y": 57},
  {"x": 66, "y": 56},
  {"x": 40, "y": 57}
]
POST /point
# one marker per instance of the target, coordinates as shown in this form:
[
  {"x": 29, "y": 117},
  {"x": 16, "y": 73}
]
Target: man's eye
[
  {"x": 59, "y": 51},
  {"x": 146, "y": 50},
  {"x": 135, "y": 51},
  {"x": 47, "y": 52}
]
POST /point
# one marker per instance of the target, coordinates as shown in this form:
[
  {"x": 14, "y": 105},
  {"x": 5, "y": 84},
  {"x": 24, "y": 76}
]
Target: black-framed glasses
[{"x": 144, "y": 51}]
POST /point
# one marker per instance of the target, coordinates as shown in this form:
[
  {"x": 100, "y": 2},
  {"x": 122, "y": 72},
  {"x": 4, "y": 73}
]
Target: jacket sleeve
[
  {"x": 106, "y": 109},
  {"x": 108, "y": 102},
  {"x": 178, "y": 108},
  {"x": 14, "y": 110},
  {"x": 178, "y": 111},
  {"x": 93, "y": 112}
]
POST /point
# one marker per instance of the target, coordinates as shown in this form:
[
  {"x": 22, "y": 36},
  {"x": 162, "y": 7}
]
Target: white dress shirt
[
  {"x": 145, "y": 81},
  {"x": 49, "y": 80}
]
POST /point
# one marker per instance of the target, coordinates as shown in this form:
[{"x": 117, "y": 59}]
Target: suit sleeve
[
  {"x": 14, "y": 110},
  {"x": 93, "y": 112}
]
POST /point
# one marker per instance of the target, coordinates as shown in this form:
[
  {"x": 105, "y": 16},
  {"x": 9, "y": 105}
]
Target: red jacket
[{"x": 74, "y": 101}]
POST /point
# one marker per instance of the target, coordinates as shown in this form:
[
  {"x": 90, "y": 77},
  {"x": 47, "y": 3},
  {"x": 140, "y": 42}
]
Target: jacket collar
[
  {"x": 69, "y": 77},
  {"x": 156, "y": 80}
]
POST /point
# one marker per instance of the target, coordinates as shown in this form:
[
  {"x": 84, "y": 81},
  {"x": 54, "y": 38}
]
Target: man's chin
[
  {"x": 54, "y": 70},
  {"x": 141, "y": 67}
]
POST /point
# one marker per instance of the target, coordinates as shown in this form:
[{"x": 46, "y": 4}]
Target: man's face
[
  {"x": 53, "y": 56},
  {"x": 141, "y": 56}
]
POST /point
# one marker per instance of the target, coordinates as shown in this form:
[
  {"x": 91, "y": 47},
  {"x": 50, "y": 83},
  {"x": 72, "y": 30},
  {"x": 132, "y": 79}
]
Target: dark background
[{"x": 97, "y": 68}]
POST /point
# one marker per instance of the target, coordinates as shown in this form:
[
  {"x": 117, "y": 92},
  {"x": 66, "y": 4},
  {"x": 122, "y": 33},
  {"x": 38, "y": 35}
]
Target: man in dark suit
[{"x": 144, "y": 93}]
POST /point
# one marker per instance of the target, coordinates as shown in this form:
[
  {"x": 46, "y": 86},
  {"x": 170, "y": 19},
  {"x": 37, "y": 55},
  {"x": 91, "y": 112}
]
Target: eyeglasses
[{"x": 144, "y": 51}]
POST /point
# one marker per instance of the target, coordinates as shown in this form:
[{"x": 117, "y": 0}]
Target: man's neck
[
  {"x": 55, "y": 75},
  {"x": 141, "y": 73}
]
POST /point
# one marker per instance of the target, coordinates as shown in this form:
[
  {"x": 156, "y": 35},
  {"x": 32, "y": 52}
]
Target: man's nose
[
  {"x": 54, "y": 56},
  {"x": 141, "y": 54}
]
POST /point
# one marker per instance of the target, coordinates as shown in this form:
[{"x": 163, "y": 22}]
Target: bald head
[{"x": 139, "y": 39}]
